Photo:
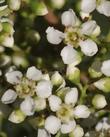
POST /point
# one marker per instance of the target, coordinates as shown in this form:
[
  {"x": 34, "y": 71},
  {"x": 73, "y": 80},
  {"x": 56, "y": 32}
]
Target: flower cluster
[{"x": 37, "y": 92}]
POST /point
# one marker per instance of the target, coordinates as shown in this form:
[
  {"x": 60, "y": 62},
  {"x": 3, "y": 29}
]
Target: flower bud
[
  {"x": 103, "y": 84},
  {"x": 81, "y": 111},
  {"x": 88, "y": 47},
  {"x": 43, "y": 133},
  {"x": 54, "y": 36},
  {"x": 17, "y": 117},
  {"x": 58, "y": 4},
  {"x": 104, "y": 7},
  {"x": 14, "y": 5},
  {"x": 52, "y": 124},
  {"x": 88, "y": 6},
  {"x": 99, "y": 101},
  {"x": 9, "y": 96},
  {"x": 77, "y": 132},
  {"x": 40, "y": 104},
  {"x": 44, "y": 89},
  {"x": 54, "y": 103},
  {"x": 28, "y": 106},
  {"x": 70, "y": 55},
  {"x": 93, "y": 73},
  {"x": 69, "y": 18},
  {"x": 8, "y": 41},
  {"x": 71, "y": 97},
  {"x": 68, "y": 127},
  {"x": 73, "y": 74},
  {"x": 8, "y": 27},
  {"x": 105, "y": 68}
]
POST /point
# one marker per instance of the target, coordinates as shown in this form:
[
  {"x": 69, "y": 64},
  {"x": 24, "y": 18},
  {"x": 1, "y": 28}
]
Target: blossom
[{"x": 105, "y": 68}]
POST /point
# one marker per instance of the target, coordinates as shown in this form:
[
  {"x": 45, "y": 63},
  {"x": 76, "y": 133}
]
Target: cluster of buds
[{"x": 37, "y": 93}]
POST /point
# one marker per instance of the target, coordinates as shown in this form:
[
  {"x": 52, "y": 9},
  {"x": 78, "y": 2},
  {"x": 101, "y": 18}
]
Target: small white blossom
[
  {"x": 71, "y": 96},
  {"x": 14, "y": 5},
  {"x": 87, "y": 6},
  {"x": 104, "y": 7},
  {"x": 44, "y": 89},
  {"x": 43, "y": 133},
  {"x": 54, "y": 36},
  {"x": 8, "y": 41},
  {"x": 69, "y": 18},
  {"x": 81, "y": 111},
  {"x": 70, "y": 55},
  {"x": 78, "y": 131},
  {"x": 34, "y": 73},
  {"x": 105, "y": 68},
  {"x": 54, "y": 102},
  {"x": 13, "y": 77},
  {"x": 9, "y": 96},
  {"x": 99, "y": 101},
  {"x": 28, "y": 106},
  {"x": 68, "y": 127},
  {"x": 88, "y": 47},
  {"x": 52, "y": 124}
]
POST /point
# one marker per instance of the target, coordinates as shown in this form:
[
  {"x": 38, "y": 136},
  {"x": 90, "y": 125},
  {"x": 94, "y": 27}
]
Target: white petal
[
  {"x": 69, "y": 18},
  {"x": 14, "y": 5},
  {"x": 88, "y": 27},
  {"x": 68, "y": 127},
  {"x": 104, "y": 8},
  {"x": 71, "y": 96},
  {"x": 54, "y": 102},
  {"x": 40, "y": 103},
  {"x": 28, "y": 106},
  {"x": 9, "y": 96},
  {"x": 81, "y": 111},
  {"x": 105, "y": 68},
  {"x": 88, "y": 6},
  {"x": 43, "y": 133},
  {"x": 44, "y": 89},
  {"x": 99, "y": 126},
  {"x": 54, "y": 36},
  {"x": 52, "y": 124},
  {"x": 70, "y": 55},
  {"x": 13, "y": 77},
  {"x": 88, "y": 47},
  {"x": 34, "y": 73}
]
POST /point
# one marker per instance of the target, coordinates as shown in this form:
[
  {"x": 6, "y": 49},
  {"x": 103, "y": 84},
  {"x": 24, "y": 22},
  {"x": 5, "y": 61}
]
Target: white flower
[
  {"x": 28, "y": 106},
  {"x": 40, "y": 104},
  {"x": 68, "y": 127},
  {"x": 78, "y": 131},
  {"x": 99, "y": 101},
  {"x": 43, "y": 133},
  {"x": 34, "y": 73},
  {"x": 52, "y": 124},
  {"x": 87, "y": 6},
  {"x": 44, "y": 89},
  {"x": 16, "y": 116},
  {"x": 81, "y": 111},
  {"x": 9, "y": 96},
  {"x": 8, "y": 41},
  {"x": 14, "y": 5},
  {"x": 13, "y": 77},
  {"x": 71, "y": 96},
  {"x": 54, "y": 36},
  {"x": 69, "y": 18},
  {"x": 70, "y": 55},
  {"x": 104, "y": 7},
  {"x": 54, "y": 102},
  {"x": 89, "y": 27},
  {"x": 88, "y": 47},
  {"x": 105, "y": 68}
]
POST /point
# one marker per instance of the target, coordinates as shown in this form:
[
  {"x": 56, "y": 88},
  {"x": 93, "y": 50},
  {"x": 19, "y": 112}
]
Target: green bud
[
  {"x": 58, "y": 4},
  {"x": 99, "y": 101},
  {"x": 94, "y": 74},
  {"x": 8, "y": 28},
  {"x": 73, "y": 74},
  {"x": 103, "y": 84},
  {"x": 17, "y": 116}
]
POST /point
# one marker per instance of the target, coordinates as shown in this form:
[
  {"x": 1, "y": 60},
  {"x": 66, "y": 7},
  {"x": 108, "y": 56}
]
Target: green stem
[{"x": 83, "y": 92}]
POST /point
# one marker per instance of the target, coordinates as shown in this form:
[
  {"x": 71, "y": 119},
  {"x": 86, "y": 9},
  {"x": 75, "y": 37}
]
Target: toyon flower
[
  {"x": 102, "y": 6},
  {"x": 76, "y": 34}
]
